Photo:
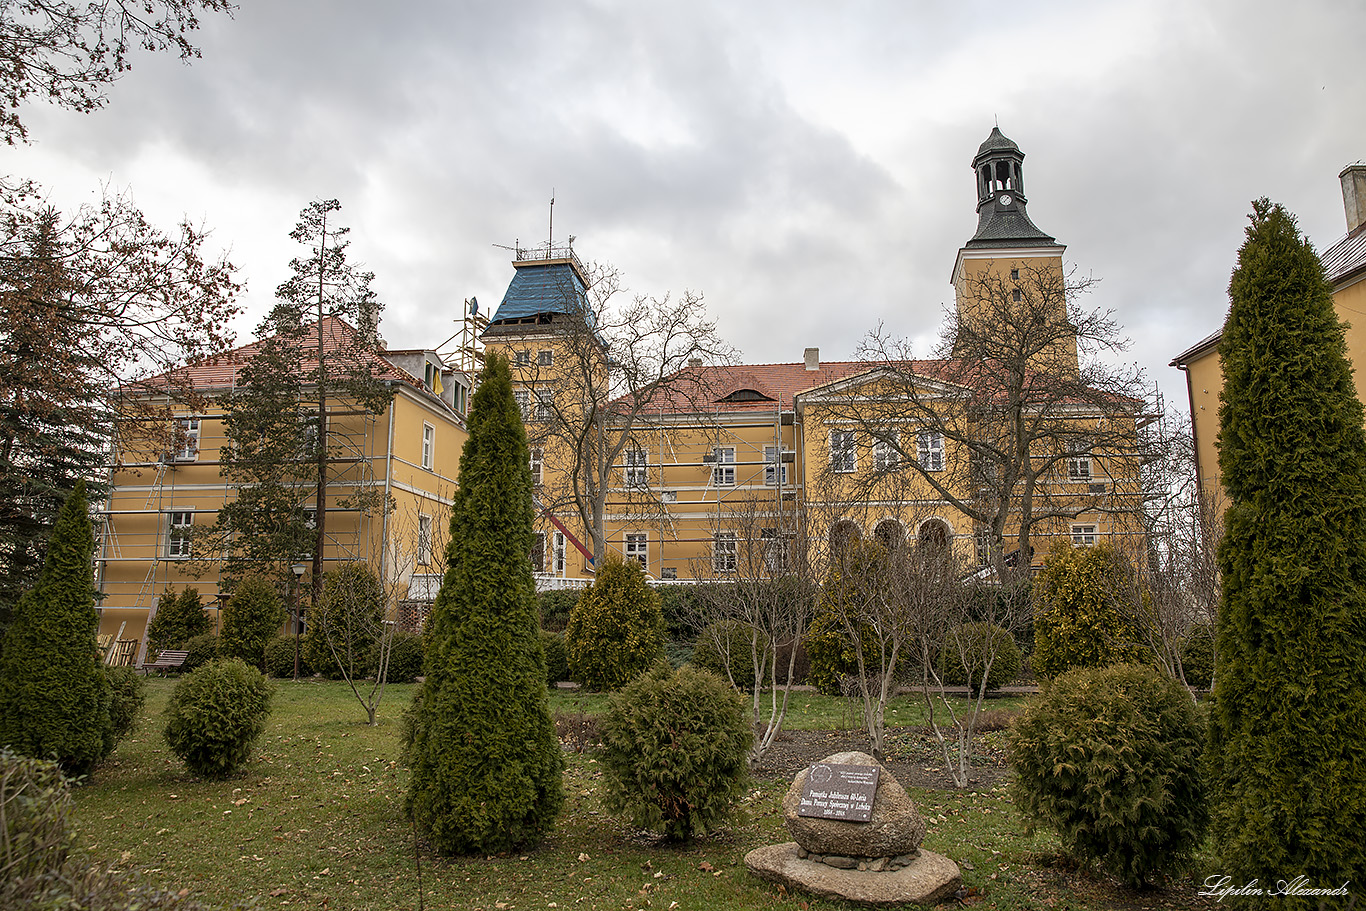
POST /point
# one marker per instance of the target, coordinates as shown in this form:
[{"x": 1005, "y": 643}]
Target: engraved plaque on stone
[{"x": 835, "y": 791}]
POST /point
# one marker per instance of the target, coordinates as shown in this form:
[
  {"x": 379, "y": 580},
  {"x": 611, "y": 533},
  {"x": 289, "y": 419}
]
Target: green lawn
[{"x": 316, "y": 822}]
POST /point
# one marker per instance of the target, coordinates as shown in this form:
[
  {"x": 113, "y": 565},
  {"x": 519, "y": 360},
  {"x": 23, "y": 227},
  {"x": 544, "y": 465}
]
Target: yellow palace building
[
  {"x": 731, "y": 457},
  {"x": 408, "y": 454}
]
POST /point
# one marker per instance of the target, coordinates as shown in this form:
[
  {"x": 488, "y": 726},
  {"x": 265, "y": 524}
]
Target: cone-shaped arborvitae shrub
[
  {"x": 486, "y": 764},
  {"x": 253, "y": 616},
  {"x": 1288, "y": 740},
  {"x": 616, "y": 630},
  {"x": 1080, "y": 619},
  {"x": 52, "y": 701},
  {"x": 179, "y": 618}
]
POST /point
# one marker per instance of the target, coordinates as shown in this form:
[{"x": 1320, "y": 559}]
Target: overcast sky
[{"x": 804, "y": 165}]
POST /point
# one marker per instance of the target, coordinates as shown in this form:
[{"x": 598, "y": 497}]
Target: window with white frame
[
  {"x": 886, "y": 451},
  {"x": 187, "y": 449},
  {"x": 545, "y": 404},
  {"x": 538, "y": 552},
  {"x": 178, "y": 534},
  {"x": 929, "y": 450},
  {"x": 523, "y": 397},
  {"x": 723, "y": 471},
  {"x": 1079, "y": 460},
  {"x": 982, "y": 546},
  {"x": 537, "y": 466},
  {"x": 638, "y": 547},
  {"x": 559, "y": 553},
  {"x": 1083, "y": 536},
  {"x": 843, "y": 451},
  {"x": 545, "y": 358},
  {"x": 724, "y": 554},
  {"x": 775, "y": 471},
  {"x": 636, "y": 472},
  {"x": 428, "y": 445},
  {"x": 424, "y": 540},
  {"x": 775, "y": 550},
  {"x": 523, "y": 357}
]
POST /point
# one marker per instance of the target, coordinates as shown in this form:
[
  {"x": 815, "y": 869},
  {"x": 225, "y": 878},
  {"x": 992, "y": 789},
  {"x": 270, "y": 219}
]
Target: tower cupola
[{"x": 1001, "y": 216}]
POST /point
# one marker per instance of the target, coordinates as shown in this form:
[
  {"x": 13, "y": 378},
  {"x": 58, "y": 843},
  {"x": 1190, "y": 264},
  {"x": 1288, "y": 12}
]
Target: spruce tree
[
  {"x": 486, "y": 764},
  {"x": 1288, "y": 740},
  {"x": 52, "y": 703}
]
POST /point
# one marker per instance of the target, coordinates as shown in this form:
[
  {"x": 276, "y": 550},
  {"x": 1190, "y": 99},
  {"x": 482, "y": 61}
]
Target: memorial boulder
[{"x": 891, "y": 828}]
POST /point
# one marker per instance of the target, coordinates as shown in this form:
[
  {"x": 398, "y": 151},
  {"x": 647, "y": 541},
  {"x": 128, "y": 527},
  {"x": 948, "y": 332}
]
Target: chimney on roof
[
  {"x": 1353, "y": 179},
  {"x": 813, "y": 358},
  {"x": 694, "y": 362}
]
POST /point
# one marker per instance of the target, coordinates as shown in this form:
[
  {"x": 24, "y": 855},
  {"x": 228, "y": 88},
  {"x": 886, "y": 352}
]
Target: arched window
[
  {"x": 843, "y": 534},
  {"x": 889, "y": 534},
  {"x": 934, "y": 535}
]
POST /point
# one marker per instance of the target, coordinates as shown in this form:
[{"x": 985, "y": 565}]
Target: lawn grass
[{"x": 316, "y": 822}]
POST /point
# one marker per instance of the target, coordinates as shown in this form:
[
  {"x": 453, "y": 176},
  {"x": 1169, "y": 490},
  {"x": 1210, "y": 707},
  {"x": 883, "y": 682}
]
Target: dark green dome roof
[{"x": 996, "y": 142}]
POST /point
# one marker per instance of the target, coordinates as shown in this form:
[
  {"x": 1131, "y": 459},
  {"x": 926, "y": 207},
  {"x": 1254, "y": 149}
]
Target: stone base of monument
[{"x": 927, "y": 878}]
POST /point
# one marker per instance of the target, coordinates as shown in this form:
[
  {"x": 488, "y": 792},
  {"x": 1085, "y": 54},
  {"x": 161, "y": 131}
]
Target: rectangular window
[
  {"x": 178, "y": 535},
  {"x": 1015, "y": 296},
  {"x": 886, "y": 452},
  {"x": 537, "y": 466},
  {"x": 1014, "y": 274},
  {"x": 428, "y": 445},
  {"x": 559, "y": 553},
  {"x": 982, "y": 542},
  {"x": 538, "y": 552},
  {"x": 669, "y": 572},
  {"x": 523, "y": 357},
  {"x": 843, "y": 451},
  {"x": 187, "y": 444},
  {"x": 724, "y": 556},
  {"x": 1083, "y": 536},
  {"x": 775, "y": 472},
  {"x": 637, "y": 472},
  {"x": 545, "y": 358},
  {"x": 523, "y": 398},
  {"x": 723, "y": 472},
  {"x": 1079, "y": 459},
  {"x": 638, "y": 548},
  {"x": 424, "y": 540},
  {"x": 929, "y": 450},
  {"x": 545, "y": 404},
  {"x": 775, "y": 550}
]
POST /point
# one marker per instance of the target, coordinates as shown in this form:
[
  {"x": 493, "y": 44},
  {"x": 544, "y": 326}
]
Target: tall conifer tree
[
  {"x": 486, "y": 765},
  {"x": 52, "y": 703},
  {"x": 1288, "y": 740}
]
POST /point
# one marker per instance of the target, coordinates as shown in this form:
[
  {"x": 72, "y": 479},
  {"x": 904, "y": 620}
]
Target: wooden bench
[{"x": 168, "y": 658}]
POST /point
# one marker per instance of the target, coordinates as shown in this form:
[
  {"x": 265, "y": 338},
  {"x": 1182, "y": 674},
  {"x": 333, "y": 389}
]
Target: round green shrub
[
  {"x": 346, "y": 623},
  {"x": 963, "y": 657},
  {"x": 201, "y": 650},
  {"x": 675, "y": 747},
  {"x": 405, "y": 657},
  {"x": 556, "y": 659},
  {"x": 280, "y": 658},
  {"x": 1197, "y": 656},
  {"x": 127, "y": 693},
  {"x": 726, "y": 647},
  {"x": 1110, "y": 759},
  {"x": 251, "y": 618},
  {"x": 616, "y": 629},
  {"x": 215, "y": 716}
]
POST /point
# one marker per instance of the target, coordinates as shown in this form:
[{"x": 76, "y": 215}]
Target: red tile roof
[{"x": 220, "y": 372}]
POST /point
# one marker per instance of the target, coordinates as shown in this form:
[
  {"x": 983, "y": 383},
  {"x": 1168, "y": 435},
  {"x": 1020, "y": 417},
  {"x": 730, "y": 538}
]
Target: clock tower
[{"x": 1010, "y": 274}]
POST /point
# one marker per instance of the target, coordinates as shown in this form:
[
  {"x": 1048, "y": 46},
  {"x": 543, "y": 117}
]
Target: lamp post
[{"x": 297, "y": 571}]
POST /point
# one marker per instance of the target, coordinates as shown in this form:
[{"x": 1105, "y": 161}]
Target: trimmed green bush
[
  {"x": 127, "y": 693},
  {"x": 216, "y": 715},
  {"x": 53, "y": 702},
  {"x": 179, "y": 618},
  {"x": 346, "y": 624},
  {"x": 252, "y": 617},
  {"x": 1197, "y": 656},
  {"x": 555, "y": 606},
  {"x": 487, "y": 768},
  {"x": 36, "y": 811},
  {"x": 556, "y": 661},
  {"x": 726, "y": 647},
  {"x": 405, "y": 657},
  {"x": 201, "y": 650},
  {"x": 963, "y": 657},
  {"x": 1110, "y": 759},
  {"x": 675, "y": 750},
  {"x": 1080, "y": 619},
  {"x": 280, "y": 658},
  {"x": 616, "y": 630}
]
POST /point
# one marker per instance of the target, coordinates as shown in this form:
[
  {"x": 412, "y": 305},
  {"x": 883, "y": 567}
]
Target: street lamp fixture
[{"x": 298, "y": 573}]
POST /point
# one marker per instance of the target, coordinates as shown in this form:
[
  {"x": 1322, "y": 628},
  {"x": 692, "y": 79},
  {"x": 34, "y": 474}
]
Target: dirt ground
[{"x": 913, "y": 756}]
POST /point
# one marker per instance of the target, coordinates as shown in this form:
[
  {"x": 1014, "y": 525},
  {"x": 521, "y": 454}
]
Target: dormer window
[{"x": 747, "y": 395}]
